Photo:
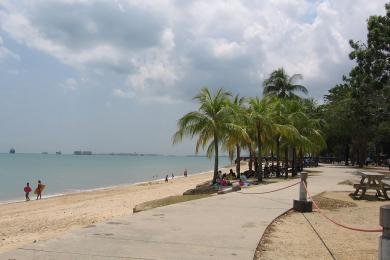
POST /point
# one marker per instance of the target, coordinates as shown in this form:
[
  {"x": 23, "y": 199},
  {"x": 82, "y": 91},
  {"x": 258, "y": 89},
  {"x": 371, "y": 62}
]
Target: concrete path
[{"x": 220, "y": 227}]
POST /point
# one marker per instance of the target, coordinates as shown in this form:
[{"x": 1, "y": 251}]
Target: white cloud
[
  {"x": 165, "y": 50},
  {"x": 120, "y": 93},
  {"x": 6, "y": 53},
  {"x": 70, "y": 84}
]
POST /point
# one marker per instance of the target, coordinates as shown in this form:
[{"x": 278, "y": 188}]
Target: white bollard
[
  {"x": 384, "y": 240},
  {"x": 302, "y": 190},
  {"x": 303, "y": 205}
]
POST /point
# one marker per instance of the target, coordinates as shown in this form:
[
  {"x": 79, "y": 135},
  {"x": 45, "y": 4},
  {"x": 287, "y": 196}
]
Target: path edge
[{"x": 267, "y": 229}]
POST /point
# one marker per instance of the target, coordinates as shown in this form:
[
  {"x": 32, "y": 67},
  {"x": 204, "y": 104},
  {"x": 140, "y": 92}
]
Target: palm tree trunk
[
  {"x": 256, "y": 164},
  {"x": 277, "y": 157},
  {"x": 286, "y": 162},
  {"x": 250, "y": 160},
  {"x": 360, "y": 158},
  {"x": 238, "y": 161},
  {"x": 300, "y": 160},
  {"x": 259, "y": 159},
  {"x": 294, "y": 159},
  {"x": 346, "y": 155},
  {"x": 215, "y": 160}
]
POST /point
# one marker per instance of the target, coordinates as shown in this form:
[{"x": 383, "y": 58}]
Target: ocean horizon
[{"x": 68, "y": 173}]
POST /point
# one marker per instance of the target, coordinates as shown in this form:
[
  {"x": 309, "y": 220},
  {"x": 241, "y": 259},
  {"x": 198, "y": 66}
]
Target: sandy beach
[{"x": 26, "y": 222}]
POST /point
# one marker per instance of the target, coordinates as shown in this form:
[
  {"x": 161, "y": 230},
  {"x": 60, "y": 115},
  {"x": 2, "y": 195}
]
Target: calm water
[{"x": 71, "y": 173}]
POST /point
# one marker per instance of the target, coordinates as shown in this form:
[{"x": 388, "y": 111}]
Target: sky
[{"x": 115, "y": 76}]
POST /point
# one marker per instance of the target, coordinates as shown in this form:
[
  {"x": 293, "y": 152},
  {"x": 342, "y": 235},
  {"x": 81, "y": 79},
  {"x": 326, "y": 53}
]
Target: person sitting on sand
[
  {"x": 224, "y": 182},
  {"x": 232, "y": 174},
  {"x": 220, "y": 174},
  {"x": 27, "y": 190},
  {"x": 243, "y": 181},
  {"x": 39, "y": 190}
]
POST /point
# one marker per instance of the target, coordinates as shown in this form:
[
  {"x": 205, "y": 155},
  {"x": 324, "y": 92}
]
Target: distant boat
[
  {"x": 59, "y": 153},
  {"x": 44, "y": 153},
  {"x": 12, "y": 151},
  {"x": 82, "y": 153}
]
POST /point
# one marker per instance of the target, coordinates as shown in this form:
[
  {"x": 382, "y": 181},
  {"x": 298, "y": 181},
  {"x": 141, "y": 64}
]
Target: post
[
  {"x": 384, "y": 240},
  {"x": 303, "y": 205},
  {"x": 302, "y": 190}
]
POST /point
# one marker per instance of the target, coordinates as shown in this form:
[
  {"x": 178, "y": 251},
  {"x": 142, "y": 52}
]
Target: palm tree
[
  {"x": 310, "y": 138},
  {"x": 282, "y": 85},
  {"x": 277, "y": 114},
  {"x": 210, "y": 123},
  {"x": 261, "y": 123},
  {"x": 236, "y": 140}
]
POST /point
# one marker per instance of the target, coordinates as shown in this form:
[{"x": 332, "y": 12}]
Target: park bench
[{"x": 371, "y": 181}]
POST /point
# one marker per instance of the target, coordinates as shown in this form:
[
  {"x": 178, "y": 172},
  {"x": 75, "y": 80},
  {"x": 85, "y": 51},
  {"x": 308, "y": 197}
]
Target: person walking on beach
[
  {"x": 39, "y": 190},
  {"x": 166, "y": 178},
  {"x": 27, "y": 190},
  {"x": 173, "y": 176},
  {"x": 185, "y": 172}
]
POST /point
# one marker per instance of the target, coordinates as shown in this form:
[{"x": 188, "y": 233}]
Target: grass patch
[{"x": 167, "y": 201}]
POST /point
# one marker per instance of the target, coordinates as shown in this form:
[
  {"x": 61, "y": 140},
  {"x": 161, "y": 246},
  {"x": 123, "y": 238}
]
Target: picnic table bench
[
  {"x": 386, "y": 185},
  {"x": 372, "y": 181}
]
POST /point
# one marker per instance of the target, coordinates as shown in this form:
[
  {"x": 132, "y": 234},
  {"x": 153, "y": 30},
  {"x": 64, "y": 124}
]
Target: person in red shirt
[{"x": 27, "y": 190}]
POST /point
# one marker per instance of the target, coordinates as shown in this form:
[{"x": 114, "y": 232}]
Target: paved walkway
[{"x": 220, "y": 227}]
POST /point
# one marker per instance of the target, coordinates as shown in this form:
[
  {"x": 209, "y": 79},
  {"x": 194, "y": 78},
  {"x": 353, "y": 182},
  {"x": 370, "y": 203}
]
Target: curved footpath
[{"x": 220, "y": 227}]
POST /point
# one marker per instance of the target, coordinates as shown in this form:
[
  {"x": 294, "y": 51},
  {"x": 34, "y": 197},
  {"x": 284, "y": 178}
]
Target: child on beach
[
  {"x": 27, "y": 190},
  {"x": 39, "y": 190}
]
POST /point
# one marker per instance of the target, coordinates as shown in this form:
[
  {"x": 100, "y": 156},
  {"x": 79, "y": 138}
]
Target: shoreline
[
  {"x": 55, "y": 195},
  {"x": 23, "y": 223}
]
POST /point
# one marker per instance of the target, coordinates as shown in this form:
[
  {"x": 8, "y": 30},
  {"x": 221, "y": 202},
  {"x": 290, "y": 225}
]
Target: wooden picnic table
[{"x": 371, "y": 181}]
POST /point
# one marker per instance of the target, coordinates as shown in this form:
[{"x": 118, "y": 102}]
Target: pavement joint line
[
  {"x": 173, "y": 243},
  {"x": 321, "y": 239},
  {"x": 83, "y": 254}
]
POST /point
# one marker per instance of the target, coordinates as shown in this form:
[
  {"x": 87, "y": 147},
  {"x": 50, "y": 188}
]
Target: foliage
[
  {"x": 257, "y": 125},
  {"x": 282, "y": 85},
  {"x": 358, "y": 110}
]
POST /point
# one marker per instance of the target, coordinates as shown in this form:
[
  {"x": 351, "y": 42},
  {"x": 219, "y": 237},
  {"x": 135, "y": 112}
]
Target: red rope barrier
[
  {"x": 335, "y": 222},
  {"x": 269, "y": 191}
]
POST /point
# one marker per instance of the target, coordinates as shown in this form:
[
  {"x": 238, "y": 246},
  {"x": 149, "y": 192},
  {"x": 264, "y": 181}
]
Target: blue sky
[{"x": 114, "y": 76}]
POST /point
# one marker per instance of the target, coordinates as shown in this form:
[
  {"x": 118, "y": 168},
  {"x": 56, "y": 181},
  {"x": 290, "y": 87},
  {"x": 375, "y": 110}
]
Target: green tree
[
  {"x": 338, "y": 113},
  {"x": 261, "y": 123},
  {"x": 236, "y": 140},
  {"x": 283, "y": 130},
  {"x": 360, "y": 107},
  {"x": 282, "y": 85},
  {"x": 210, "y": 123}
]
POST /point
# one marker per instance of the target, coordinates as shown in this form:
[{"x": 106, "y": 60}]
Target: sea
[{"x": 64, "y": 174}]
